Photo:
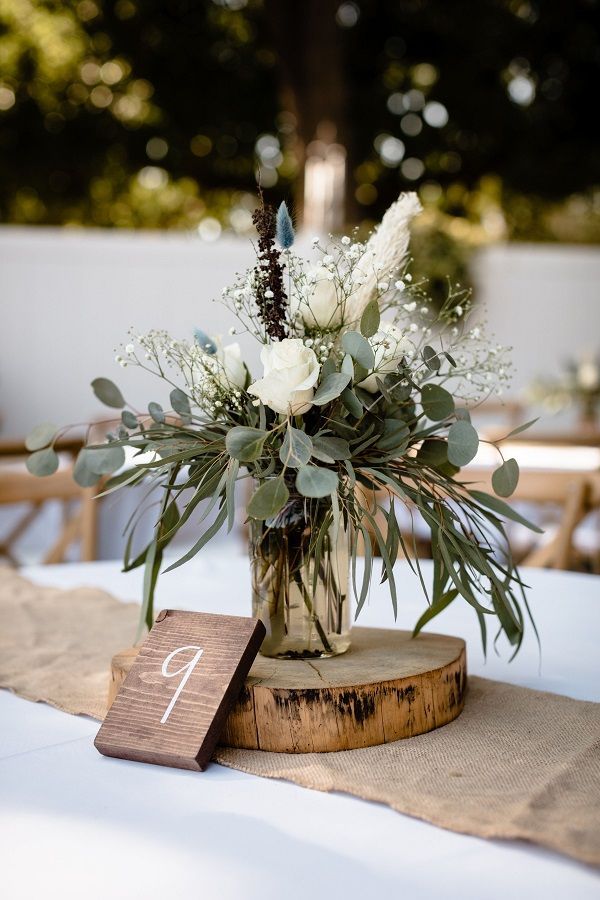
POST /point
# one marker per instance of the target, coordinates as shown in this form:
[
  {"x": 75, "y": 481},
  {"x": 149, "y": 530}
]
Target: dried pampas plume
[{"x": 388, "y": 245}]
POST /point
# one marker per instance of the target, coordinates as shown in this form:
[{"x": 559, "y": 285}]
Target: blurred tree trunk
[{"x": 312, "y": 82}]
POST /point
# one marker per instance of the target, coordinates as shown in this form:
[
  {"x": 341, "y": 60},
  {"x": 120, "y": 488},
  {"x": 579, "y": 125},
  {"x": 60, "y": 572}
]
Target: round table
[{"x": 73, "y": 824}]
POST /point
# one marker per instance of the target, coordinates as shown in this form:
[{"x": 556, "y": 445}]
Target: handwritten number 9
[{"x": 185, "y": 671}]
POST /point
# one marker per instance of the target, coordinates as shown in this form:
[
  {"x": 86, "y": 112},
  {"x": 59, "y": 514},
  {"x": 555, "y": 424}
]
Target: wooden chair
[
  {"x": 18, "y": 486},
  {"x": 576, "y": 493}
]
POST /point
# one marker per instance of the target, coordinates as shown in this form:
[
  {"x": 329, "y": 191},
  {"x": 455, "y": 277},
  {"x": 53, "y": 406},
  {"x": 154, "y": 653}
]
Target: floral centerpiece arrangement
[{"x": 361, "y": 409}]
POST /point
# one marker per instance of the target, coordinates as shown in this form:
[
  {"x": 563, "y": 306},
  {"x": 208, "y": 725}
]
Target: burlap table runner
[{"x": 516, "y": 764}]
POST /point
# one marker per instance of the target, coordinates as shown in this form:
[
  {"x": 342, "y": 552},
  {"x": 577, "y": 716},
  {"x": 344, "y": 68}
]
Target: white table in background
[{"x": 74, "y": 824}]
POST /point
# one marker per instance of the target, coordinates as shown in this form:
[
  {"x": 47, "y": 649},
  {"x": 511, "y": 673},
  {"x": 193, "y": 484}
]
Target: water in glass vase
[{"x": 300, "y": 579}]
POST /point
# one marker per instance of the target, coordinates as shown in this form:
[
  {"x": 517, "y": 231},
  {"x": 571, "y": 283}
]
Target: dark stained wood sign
[{"x": 173, "y": 704}]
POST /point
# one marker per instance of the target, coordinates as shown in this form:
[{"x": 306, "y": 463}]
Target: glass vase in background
[{"x": 300, "y": 584}]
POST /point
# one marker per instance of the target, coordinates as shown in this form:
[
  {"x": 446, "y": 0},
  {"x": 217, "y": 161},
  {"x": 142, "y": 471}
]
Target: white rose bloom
[
  {"x": 318, "y": 305},
  {"x": 224, "y": 368},
  {"x": 390, "y": 346},
  {"x": 231, "y": 371},
  {"x": 290, "y": 373}
]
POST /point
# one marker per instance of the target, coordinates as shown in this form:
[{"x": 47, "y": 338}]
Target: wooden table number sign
[{"x": 174, "y": 702}]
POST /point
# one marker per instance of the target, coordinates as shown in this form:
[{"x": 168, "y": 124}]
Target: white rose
[
  {"x": 389, "y": 346},
  {"x": 231, "y": 371},
  {"x": 224, "y": 367},
  {"x": 290, "y": 373},
  {"x": 318, "y": 304}
]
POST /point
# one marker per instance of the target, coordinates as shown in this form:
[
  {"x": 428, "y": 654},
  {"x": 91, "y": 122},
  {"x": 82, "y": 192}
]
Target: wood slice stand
[{"x": 386, "y": 687}]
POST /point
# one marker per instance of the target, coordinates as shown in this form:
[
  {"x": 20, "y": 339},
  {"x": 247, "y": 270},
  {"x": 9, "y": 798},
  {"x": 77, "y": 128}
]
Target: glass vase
[{"x": 300, "y": 583}]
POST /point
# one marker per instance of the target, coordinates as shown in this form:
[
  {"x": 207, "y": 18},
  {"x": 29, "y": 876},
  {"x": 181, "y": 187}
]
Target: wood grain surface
[
  {"x": 172, "y": 705},
  {"x": 388, "y": 686}
]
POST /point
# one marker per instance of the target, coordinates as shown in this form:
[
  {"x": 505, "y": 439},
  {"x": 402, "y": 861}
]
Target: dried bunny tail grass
[
  {"x": 390, "y": 240},
  {"x": 386, "y": 248}
]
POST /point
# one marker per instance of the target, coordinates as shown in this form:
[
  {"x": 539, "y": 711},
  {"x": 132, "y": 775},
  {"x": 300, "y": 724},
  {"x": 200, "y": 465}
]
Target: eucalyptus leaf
[
  {"x": 296, "y": 448},
  {"x": 437, "y": 402},
  {"x": 269, "y": 499},
  {"x": 40, "y": 436},
  {"x": 180, "y": 402},
  {"x": 360, "y": 373},
  {"x": 335, "y": 447},
  {"x": 108, "y": 393},
  {"x": 450, "y": 359},
  {"x": 395, "y": 436},
  {"x": 462, "y": 413},
  {"x": 503, "y": 509},
  {"x": 328, "y": 368},
  {"x": 105, "y": 460},
  {"x": 359, "y": 349},
  {"x": 322, "y": 456},
  {"x": 156, "y": 413},
  {"x": 352, "y": 403},
  {"x": 435, "y": 608},
  {"x": 342, "y": 428},
  {"x": 128, "y": 419},
  {"x": 431, "y": 358},
  {"x": 331, "y": 388},
  {"x": 245, "y": 444},
  {"x": 312, "y": 481},
  {"x": 381, "y": 385},
  {"x": 506, "y": 478},
  {"x": 363, "y": 396},
  {"x": 433, "y": 453},
  {"x": 82, "y": 473},
  {"x": 42, "y": 462},
  {"x": 233, "y": 469},
  {"x": 521, "y": 428},
  {"x": 463, "y": 443},
  {"x": 203, "y": 540},
  {"x": 348, "y": 365},
  {"x": 369, "y": 321},
  {"x": 397, "y": 387}
]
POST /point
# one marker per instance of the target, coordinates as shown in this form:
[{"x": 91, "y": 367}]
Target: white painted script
[{"x": 186, "y": 670}]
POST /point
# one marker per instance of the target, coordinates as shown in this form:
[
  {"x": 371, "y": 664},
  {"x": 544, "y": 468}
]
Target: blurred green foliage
[{"x": 160, "y": 113}]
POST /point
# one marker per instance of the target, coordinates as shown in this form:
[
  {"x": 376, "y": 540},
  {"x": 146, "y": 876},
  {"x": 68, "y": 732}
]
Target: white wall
[
  {"x": 67, "y": 299},
  {"x": 543, "y": 300}
]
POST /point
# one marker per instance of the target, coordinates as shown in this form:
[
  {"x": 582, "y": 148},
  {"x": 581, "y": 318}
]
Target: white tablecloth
[{"x": 74, "y": 824}]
